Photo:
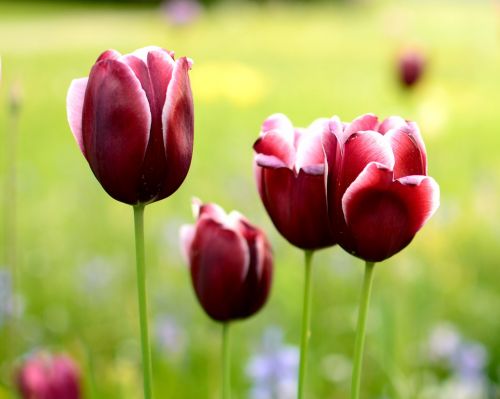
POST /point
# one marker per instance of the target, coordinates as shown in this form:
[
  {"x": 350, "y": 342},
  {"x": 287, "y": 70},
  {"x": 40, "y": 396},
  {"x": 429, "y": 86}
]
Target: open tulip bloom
[
  {"x": 231, "y": 267},
  {"x": 367, "y": 178},
  {"x": 133, "y": 121}
]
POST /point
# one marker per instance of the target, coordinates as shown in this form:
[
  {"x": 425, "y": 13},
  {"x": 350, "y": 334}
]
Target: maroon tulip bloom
[
  {"x": 49, "y": 377},
  {"x": 379, "y": 194},
  {"x": 290, "y": 172},
  {"x": 411, "y": 66},
  {"x": 133, "y": 121},
  {"x": 231, "y": 263}
]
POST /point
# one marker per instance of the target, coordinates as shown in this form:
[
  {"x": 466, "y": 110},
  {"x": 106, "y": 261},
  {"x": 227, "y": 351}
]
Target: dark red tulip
[
  {"x": 231, "y": 263},
  {"x": 379, "y": 194},
  {"x": 290, "y": 173},
  {"x": 133, "y": 120},
  {"x": 411, "y": 66},
  {"x": 44, "y": 376}
]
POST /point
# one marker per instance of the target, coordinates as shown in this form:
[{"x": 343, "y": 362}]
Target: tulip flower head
[
  {"x": 133, "y": 121},
  {"x": 290, "y": 171},
  {"x": 411, "y": 66},
  {"x": 379, "y": 194},
  {"x": 44, "y": 376},
  {"x": 230, "y": 261}
]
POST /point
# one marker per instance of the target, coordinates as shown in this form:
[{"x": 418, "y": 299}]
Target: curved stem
[
  {"x": 361, "y": 330},
  {"x": 142, "y": 296},
  {"x": 226, "y": 362},
  {"x": 306, "y": 322}
]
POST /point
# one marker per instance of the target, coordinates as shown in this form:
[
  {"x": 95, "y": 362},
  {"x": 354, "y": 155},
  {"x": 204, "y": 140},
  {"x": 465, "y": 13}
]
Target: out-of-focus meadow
[{"x": 75, "y": 256}]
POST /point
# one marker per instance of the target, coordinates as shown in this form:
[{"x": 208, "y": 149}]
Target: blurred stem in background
[
  {"x": 361, "y": 330},
  {"x": 306, "y": 323},
  {"x": 10, "y": 211},
  {"x": 143, "y": 302},
  {"x": 226, "y": 361}
]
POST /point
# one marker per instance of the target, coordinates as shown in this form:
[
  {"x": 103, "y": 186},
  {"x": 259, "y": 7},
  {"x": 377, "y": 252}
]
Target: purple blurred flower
[
  {"x": 170, "y": 336},
  {"x": 5, "y": 295},
  {"x": 443, "y": 343},
  {"x": 273, "y": 370},
  {"x": 181, "y": 12},
  {"x": 469, "y": 361},
  {"x": 465, "y": 360}
]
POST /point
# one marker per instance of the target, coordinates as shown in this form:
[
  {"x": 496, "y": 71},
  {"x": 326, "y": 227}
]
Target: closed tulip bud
[
  {"x": 411, "y": 66},
  {"x": 230, "y": 261},
  {"x": 44, "y": 376},
  {"x": 379, "y": 193},
  {"x": 290, "y": 171},
  {"x": 133, "y": 121}
]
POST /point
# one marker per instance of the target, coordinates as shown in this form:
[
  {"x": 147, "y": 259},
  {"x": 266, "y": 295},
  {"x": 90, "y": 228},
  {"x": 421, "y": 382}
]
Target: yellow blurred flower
[{"x": 240, "y": 84}]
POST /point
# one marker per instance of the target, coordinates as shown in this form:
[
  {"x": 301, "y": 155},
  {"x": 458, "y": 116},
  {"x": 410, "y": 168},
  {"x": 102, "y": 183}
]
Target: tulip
[
  {"x": 379, "y": 194},
  {"x": 133, "y": 121},
  {"x": 231, "y": 266},
  {"x": 230, "y": 261},
  {"x": 289, "y": 166},
  {"x": 44, "y": 376},
  {"x": 411, "y": 66}
]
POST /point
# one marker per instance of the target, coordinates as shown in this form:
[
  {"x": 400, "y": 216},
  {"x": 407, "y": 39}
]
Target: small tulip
[
  {"x": 378, "y": 190},
  {"x": 44, "y": 376},
  {"x": 230, "y": 261},
  {"x": 290, "y": 172},
  {"x": 133, "y": 121},
  {"x": 411, "y": 66}
]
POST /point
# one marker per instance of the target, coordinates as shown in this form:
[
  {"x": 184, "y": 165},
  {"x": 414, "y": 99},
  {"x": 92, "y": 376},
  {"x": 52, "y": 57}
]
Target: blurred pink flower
[{"x": 45, "y": 376}]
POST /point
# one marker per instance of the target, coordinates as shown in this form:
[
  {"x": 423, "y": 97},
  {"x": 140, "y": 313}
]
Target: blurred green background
[{"x": 75, "y": 255}]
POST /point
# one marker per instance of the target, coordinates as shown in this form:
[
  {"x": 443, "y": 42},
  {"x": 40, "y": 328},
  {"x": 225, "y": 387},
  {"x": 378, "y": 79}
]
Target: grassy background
[{"x": 75, "y": 245}]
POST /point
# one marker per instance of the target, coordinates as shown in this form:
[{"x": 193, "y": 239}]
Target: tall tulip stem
[
  {"x": 143, "y": 302},
  {"x": 226, "y": 362},
  {"x": 306, "y": 323},
  {"x": 361, "y": 330}
]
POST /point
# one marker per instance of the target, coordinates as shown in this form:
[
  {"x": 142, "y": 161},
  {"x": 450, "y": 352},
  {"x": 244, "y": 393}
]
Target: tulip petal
[
  {"x": 115, "y": 128},
  {"x": 178, "y": 126},
  {"x": 392, "y": 122},
  {"x": 297, "y": 206},
  {"x": 360, "y": 124},
  {"x": 276, "y": 148},
  {"x": 259, "y": 277},
  {"x": 281, "y": 123},
  {"x": 309, "y": 153},
  {"x": 154, "y": 71},
  {"x": 219, "y": 261},
  {"x": 361, "y": 149},
  {"x": 383, "y": 215},
  {"x": 74, "y": 107},
  {"x": 409, "y": 151},
  {"x": 109, "y": 55}
]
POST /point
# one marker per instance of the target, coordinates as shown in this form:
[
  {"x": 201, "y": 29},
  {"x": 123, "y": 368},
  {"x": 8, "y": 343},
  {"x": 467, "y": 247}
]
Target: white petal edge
[
  {"x": 186, "y": 237},
  {"x": 74, "y": 108}
]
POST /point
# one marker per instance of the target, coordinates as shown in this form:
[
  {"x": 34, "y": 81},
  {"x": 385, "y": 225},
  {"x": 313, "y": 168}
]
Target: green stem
[
  {"x": 226, "y": 362},
  {"x": 361, "y": 330},
  {"x": 143, "y": 302},
  {"x": 306, "y": 323}
]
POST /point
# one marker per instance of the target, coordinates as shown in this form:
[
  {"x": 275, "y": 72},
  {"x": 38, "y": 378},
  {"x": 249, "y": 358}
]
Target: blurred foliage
[{"x": 75, "y": 269}]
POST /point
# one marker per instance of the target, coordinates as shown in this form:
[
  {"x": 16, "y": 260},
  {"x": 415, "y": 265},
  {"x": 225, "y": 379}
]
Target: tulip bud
[
  {"x": 230, "y": 261},
  {"x": 411, "y": 66},
  {"x": 44, "y": 376},
  {"x": 133, "y": 121},
  {"x": 289, "y": 166}
]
